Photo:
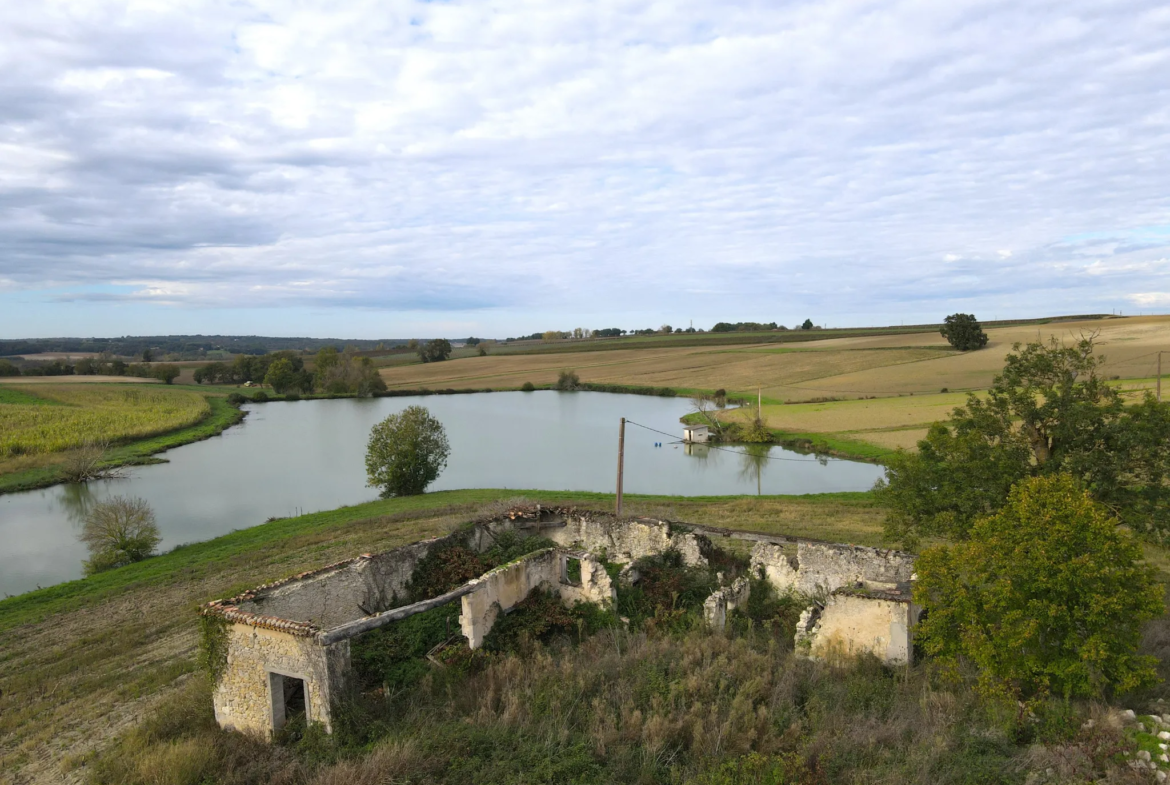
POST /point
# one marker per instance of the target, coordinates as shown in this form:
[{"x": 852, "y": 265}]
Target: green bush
[
  {"x": 1046, "y": 597},
  {"x": 528, "y": 387}
]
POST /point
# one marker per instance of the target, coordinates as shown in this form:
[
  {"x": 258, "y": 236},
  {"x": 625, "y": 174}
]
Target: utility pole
[
  {"x": 621, "y": 460},
  {"x": 760, "y": 403},
  {"x": 1159, "y": 377}
]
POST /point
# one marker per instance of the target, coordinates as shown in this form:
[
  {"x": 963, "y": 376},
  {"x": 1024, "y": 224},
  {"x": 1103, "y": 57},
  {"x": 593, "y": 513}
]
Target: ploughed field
[{"x": 872, "y": 393}]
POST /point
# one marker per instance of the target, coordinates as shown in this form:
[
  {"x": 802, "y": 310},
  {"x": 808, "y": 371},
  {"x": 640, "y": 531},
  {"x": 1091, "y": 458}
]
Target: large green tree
[
  {"x": 406, "y": 452},
  {"x": 1048, "y": 596},
  {"x": 963, "y": 332},
  {"x": 435, "y": 351},
  {"x": 1049, "y": 412}
]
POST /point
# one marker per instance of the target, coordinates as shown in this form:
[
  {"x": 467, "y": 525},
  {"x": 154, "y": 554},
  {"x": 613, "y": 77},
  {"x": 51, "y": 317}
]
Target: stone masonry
[{"x": 290, "y": 640}]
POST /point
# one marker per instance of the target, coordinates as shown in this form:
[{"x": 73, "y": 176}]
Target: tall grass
[
  {"x": 641, "y": 708},
  {"x": 94, "y": 414}
]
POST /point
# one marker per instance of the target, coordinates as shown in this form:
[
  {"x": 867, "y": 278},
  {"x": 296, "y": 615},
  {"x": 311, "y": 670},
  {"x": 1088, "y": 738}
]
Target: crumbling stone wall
[
  {"x": 721, "y": 602},
  {"x": 822, "y": 568},
  {"x": 502, "y": 588},
  {"x": 625, "y": 540},
  {"x": 849, "y": 624},
  {"x": 342, "y": 592},
  {"x": 243, "y": 697}
]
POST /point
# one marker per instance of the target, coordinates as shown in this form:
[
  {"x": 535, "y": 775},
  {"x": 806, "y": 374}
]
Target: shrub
[
  {"x": 260, "y": 397},
  {"x": 235, "y": 399},
  {"x": 1047, "y": 596},
  {"x": 119, "y": 531},
  {"x": 528, "y": 387},
  {"x": 567, "y": 381}
]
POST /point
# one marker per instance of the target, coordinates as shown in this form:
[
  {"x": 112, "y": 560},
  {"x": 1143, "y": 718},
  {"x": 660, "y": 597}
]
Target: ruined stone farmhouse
[{"x": 287, "y": 644}]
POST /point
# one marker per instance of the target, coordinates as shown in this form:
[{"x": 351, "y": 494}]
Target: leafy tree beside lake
[
  {"x": 406, "y": 452},
  {"x": 119, "y": 531},
  {"x": 1049, "y": 412},
  {"x": 963, "y": 332},
  {"x": 338, "y": 373}
]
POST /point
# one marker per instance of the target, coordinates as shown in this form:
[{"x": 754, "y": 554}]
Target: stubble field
[{"x": 883, "y": 390}]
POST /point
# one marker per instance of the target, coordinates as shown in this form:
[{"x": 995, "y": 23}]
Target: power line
[{"x": 733, "y": 452}]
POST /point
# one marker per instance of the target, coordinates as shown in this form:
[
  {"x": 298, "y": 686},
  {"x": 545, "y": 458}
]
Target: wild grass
[
  {"x": 87, "y": 414},
  {"x": 639, "y": 707}
]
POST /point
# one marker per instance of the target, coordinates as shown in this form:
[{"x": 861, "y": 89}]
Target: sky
[{"x": 398, "y": 169}]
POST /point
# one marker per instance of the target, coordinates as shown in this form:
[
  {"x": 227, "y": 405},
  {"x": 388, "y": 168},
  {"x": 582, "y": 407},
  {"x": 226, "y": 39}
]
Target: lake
[{"x": 288, "y": 458}]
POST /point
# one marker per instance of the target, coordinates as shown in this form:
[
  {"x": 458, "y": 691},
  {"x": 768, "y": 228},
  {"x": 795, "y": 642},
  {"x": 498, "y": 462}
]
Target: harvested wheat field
[{"x": 904, "y": 374}]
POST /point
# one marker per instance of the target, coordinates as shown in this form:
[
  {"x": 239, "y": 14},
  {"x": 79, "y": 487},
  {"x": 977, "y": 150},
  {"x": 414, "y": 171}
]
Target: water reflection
[
  {"x": 76, "y": 500},
  {"x": 753, "y": 458}
]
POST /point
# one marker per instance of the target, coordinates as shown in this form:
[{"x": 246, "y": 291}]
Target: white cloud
[
  {"x": 610, "y": 157},
  {"x": 1150, "y": 299}
]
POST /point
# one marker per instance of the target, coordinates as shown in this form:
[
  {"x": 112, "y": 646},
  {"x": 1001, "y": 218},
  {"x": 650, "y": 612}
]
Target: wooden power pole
[
  {"x": 621, "y": 461},
  {"x": 1159, "y": 377}
]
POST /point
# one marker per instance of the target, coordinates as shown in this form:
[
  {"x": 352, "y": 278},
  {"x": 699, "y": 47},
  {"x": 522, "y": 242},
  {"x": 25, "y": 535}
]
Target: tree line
[
  {"x": 102, "y": 365},
  {"x": 334, "y": 373}
]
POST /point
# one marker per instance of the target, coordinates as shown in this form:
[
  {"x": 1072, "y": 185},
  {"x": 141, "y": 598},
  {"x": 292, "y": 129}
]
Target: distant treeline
[
  {"x": 102, "y": 365},
  {"x": 185, "y": 346}
]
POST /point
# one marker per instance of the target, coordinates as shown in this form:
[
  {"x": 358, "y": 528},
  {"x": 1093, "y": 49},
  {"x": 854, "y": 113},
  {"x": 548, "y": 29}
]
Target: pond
[{"x": 288, "y": 458}]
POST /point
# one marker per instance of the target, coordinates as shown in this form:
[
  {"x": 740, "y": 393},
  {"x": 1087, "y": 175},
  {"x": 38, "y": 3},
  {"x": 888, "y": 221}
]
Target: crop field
[
  {"x": 43, "y": 419},
  {"x": 882, "y": 390}
]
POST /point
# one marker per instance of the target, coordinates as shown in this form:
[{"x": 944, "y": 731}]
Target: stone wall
[
  {"x": 822, "y": 568},
  {"x": 499, "y": 590},
  {"x": 243, "y": 697},
  {"x": 851, "y": 624},
  {"x": 343, "y": 592},
  {"x": 624, "y": 540},
  {"x": 720, "y": 603}
]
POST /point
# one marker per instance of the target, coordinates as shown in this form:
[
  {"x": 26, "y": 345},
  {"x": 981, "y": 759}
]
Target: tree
[
  {"x": 1048, "y": 596},
  {"x": 119, "y": 531},
  {"x": 281, "y": 376},
  {"x": 963, "y": 332},
  {"x": 406, "y": 452},
  {"x": 8, "y": 369},
  {"x": 435, "y": 351},
  {"x": 808, "y": 325},
  {"x": 1049, "y": 412},
  {"x": 147, "y": 356},
  {"x": 481, "y": 350},
  {"x": 167, "y": 373},
  {"x": 339, "y": 373}
]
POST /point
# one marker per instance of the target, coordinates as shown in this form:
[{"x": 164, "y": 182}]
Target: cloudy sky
[{"x": 397, "y": 169}]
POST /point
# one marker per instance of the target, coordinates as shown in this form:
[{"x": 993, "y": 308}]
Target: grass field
[
  {"x": 902, "y": 373},
  {"x": 81, "y": 660}
]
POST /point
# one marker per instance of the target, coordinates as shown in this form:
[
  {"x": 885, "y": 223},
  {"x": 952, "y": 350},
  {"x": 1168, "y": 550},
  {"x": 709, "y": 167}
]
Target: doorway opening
[{"x": 290, "y": 700}]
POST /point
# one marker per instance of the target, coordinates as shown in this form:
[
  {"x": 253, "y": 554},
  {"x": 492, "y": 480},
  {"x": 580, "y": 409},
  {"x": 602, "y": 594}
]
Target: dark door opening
[{"x": 290, "y": 700}]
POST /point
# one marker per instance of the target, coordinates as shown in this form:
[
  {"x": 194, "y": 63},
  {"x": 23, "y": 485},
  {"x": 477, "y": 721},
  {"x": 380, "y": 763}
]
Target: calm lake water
[{"x": 294, "y": 457}]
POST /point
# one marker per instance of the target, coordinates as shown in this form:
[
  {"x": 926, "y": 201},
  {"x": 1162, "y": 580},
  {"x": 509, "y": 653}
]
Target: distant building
[{"x": 695, "y": 434}]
